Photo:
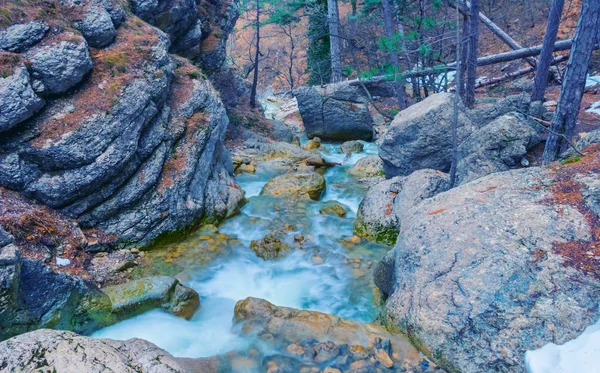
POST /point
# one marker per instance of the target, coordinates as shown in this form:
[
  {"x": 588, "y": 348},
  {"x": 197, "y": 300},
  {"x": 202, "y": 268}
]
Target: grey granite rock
[
  {"x": 60, "y": 65},
  {"x": 19, "y": 101},
  {"x": 22, "y": 36}
]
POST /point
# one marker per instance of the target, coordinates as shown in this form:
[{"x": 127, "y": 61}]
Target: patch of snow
[
  {"x": 592, "y": 81},
  {"x": 62, "y": 262},
  {"x": 580, "y": 355},
  {"x": 594, "y": 109}
]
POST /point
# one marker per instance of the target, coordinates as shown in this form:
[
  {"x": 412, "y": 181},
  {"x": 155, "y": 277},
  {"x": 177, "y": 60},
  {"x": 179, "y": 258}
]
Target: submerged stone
[{"x": 270, "y": 247}]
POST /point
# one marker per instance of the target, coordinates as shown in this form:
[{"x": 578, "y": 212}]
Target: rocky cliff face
[{"x": 100, "y": 122}]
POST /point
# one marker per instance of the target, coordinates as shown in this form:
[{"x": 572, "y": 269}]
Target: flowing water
[{"x": 329, "y": 273}]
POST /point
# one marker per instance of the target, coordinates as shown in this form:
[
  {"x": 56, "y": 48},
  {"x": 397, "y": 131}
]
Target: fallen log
[
  {"x": 515, "y": 74},
  {"x": 482, "y": 61},
  {"x": 322, "y": 164},
  {"x": 501, "y": 34}
]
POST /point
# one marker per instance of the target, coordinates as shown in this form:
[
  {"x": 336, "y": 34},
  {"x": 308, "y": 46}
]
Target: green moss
[
  {"x": 570, "y": 160},
  {"x": 386, "y": 236},
  {"x": 118, "y": 61}
]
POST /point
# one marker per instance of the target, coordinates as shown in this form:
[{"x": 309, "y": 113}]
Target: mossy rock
[
  {"x": 138, "y": 296},
  {"x": 333, "y": 209}
]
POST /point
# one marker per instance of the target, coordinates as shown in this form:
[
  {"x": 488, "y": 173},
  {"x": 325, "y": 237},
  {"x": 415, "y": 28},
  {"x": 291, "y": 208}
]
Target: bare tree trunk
[
  {"x": 454, "y": 163},
  {"x": 541, "y": 77},
  {"x": 473, "y": 51},
  {"x": 256, "y": 57},
  {"x": 567, "y": 110},
  {"x": 393, "y": 54},
  {"x": 464, "y": 52},
  {"x": 335, "y": 32}
]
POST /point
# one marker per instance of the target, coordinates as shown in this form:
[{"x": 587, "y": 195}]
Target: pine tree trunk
[
  {"x": 464, "y": 52},
  {"x": 541, "y": 77},
  {"x": 256, "y": 57},
  {"x": 334, "y": 39},
  {"x": 565, "y": 117},
  {"x": 393, "y": 54},
  {"x": 473, "y": 51}
]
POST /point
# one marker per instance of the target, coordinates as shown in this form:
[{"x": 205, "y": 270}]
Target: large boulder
[
  {"x": 335, "y": 112},
  {"x": 67, "y": 352},
  {"x": 498, "y": 266},
  {"x": 377, "y": 215},
  {"x": 19, "y": 101},
  {"x": 420, "y": 136},
  {"x": 327, "y": 341},
  {"x": 97, "y": 27},
  {"x": 135, "y": 297},
  {"x": 33, "y": 296},
  {"x": 498, "y": 146},
  {"x": 20, "y": 37},
  {"x": 60, "y": 63},
  {"x": 302, "y": 185}
]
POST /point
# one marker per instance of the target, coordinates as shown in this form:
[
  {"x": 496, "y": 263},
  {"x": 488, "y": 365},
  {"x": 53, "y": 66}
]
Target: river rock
[
  {"x": 32, "y": 296},
  {"x": 496, "y": 147},
  {"x": 350, "y": 147},
  {"x": 67, "y": 352},
  {"x": 270, "y": 247},
  {"x": 19, "y": 101},
  {"x": 498, "y": 266},
  {"x": 59, "y": 65},
  {"x": 305, "y": 185},
  {"x": 369, "y": 166},
  {"x": 375, "y": 218},
  {"x": 333, "y": 208},
  {"x": 420, "y": 137},
  {"x": 22, "y": 36},
  {"x": 335, "y": 112},
  {"x": 327, "y": 336},
  {"x": 135, "y": 297},
  {"x": 377, "y": 215},
  {"x": 314, "y": 143}
]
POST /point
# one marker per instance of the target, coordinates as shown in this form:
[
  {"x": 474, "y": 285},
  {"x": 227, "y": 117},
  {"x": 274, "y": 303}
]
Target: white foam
[{"x": 580, "y": 355}]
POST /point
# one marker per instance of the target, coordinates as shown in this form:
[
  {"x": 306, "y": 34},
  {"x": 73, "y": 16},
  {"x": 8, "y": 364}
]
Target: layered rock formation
[
  {"x": 107, "y": 140},
  {"x": 137, "y": 150},
  {"x": 498, "y": 266}
]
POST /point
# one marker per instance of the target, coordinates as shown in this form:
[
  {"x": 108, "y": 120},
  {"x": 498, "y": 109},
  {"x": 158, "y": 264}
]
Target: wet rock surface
[
  {"x": 336, "y": 112},
  {"x": 305, "y": 185},
  {"x": 322, "y": 342},
  {"x": 498, "y": 266},
  {"x": 138, "y": 296},
  {"x": 32, "y": 295},
  {"x": 369, "y": 166},
  {"x": 377, "y": 218},
  {"x": 270, "y": 247}
]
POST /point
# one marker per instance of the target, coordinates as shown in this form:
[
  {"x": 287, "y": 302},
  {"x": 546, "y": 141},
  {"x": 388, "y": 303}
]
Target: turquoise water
[{"x": 328, "y": 274}]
